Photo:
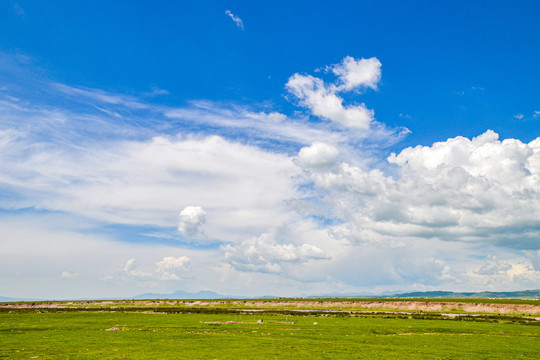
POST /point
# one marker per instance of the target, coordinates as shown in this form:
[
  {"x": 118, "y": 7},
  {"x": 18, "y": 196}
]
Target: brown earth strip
[{"x": 394, "y": 306}]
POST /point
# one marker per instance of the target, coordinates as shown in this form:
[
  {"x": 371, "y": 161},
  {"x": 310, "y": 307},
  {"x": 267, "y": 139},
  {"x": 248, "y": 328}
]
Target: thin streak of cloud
[
  {"x": 18, "y": 9},
  {"x": 101, "y": 96},
  {"x": 236, "y": 19},
  {"x": 156, "y": 91}
]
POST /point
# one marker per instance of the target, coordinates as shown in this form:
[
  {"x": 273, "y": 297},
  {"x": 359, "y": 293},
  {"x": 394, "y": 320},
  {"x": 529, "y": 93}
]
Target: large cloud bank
[
  {"x": 479, "y": 190},
  {"x": 221, "y": 197}
]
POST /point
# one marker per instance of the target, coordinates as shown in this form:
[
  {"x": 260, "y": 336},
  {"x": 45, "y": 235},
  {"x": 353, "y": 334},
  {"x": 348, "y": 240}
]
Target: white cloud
[
  {"x": 479, "y": 190},
  {"x": 534, "y": 257},
  {"x": 519, "y": 116},
  {"x": 265, "y": 254},
  {"x": 354, "y": 73},
  {"x": 100, "y": 96},
  {"x": 156, "y": 91},
  {"x": 68, "y": 275},
  {"x": 191, "y": 218},
  {"x": 130, "y": 265},
  {"x": 236, "y": 19},
  {"x": 169, "y": 267},
  {"x": 295, "y": 207},
  {"x": 318, "y": 156},
  {"x": 255, "y": 125},
  {"x": 323, "y": 102},
  {"x": 322, "y": 99},
  {"x": 102, "y": 116},
  {"x": 145, "y": 182},
  {"x": 43, "y": 245},
  {"x": 495, "y": 273},
  {"x": 172, "y": 263}
]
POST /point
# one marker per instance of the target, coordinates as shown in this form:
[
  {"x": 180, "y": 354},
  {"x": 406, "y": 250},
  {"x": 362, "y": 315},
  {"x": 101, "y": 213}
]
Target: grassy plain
[{"x": 167, "y": 332}]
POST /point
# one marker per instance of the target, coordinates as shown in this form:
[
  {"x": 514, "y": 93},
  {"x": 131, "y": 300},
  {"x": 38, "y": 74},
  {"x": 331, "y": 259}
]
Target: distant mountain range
[
  {"x": 9, "y": 299},
  {"x": 206, "y": 295},
  {"x": 524, "y": 294},
  {"x": 182, "y": 295}
]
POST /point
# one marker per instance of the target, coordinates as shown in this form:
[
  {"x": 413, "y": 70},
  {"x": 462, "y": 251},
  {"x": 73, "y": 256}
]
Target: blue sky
[{"x": 286, "y": 147}]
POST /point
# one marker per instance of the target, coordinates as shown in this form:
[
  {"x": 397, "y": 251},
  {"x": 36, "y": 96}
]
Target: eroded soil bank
[{"x": 397, "y": 306}]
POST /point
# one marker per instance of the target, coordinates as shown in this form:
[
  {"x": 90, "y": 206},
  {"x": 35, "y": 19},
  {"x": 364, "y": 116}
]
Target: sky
[{"x": 282, "y": 148}]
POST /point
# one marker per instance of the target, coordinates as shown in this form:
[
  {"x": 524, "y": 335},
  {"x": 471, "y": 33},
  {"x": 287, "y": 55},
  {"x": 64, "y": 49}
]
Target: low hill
[{"x": 524, "y": 294}]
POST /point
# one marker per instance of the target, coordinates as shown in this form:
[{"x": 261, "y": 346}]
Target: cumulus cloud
[
  {"x": 513, "y": 273},
  {"x": 323, "y": 102},
  {"x": 493, "y": 266},
  {"x": 318, "y": 156},
  {"x": 265, "y": 254},
  {"x": 191, "y": 218},
  {"x": 353, "y": 73},
  {"x": 479, "y": 190},
  {"x": 172, "y": 263},
  {"x": 130, "y": 271},
  {"x": 236, "y": 19},
  {"x": 322, "y": 99},
  {"x": 169, "y": 267}
]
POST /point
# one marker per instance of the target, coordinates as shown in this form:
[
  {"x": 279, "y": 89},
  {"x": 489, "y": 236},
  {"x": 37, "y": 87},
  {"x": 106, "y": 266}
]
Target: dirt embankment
[
  {"x": 442, "y": 306},
  {"x": 383, "y": 305}
]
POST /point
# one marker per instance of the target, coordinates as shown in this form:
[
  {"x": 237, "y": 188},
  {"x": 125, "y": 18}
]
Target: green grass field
[{"x": 79, "y": 334}]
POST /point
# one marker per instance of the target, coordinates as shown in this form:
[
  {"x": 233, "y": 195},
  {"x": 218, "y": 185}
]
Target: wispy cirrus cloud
[
  {"x": 239, "y": 23},
  {"x": 100, "y": 96},
  {"x": 18, "y": 10},
  {"x": 534, "y": 115}
]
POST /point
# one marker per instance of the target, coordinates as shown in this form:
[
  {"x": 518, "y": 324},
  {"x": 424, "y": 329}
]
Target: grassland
[{"x": 182, "y": 330}]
